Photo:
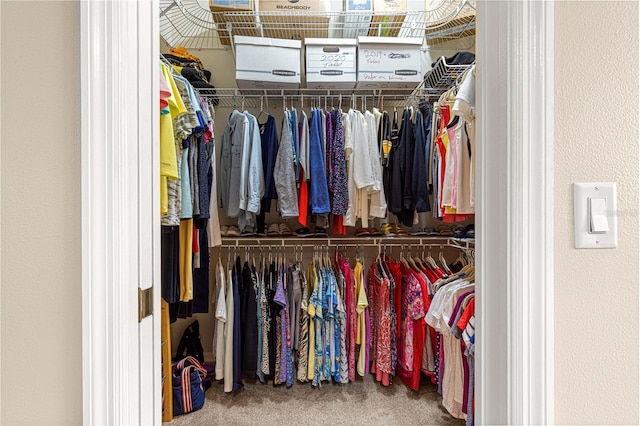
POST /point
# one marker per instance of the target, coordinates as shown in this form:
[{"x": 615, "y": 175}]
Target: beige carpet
[{"x": 363, "y": 402}]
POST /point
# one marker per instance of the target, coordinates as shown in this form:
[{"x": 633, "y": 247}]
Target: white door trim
[
  {"x": 514, "y": 211},
  {"x": 118, "y": 44}
]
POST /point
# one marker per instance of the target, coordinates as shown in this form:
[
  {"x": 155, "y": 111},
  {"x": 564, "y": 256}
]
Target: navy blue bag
[{"x": 188, "y": 392}]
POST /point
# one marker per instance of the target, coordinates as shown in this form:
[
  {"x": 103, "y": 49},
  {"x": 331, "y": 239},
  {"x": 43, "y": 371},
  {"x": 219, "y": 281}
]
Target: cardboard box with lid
[
  {"x": 300, "y": 19},
  {"x": 243, "y": 24}
]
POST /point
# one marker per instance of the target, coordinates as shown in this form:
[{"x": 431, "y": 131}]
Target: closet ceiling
[{"x": 190, "y": 23}]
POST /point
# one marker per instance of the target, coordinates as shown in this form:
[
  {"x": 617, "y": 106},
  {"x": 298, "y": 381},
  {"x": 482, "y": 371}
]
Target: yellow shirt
[
  {"x": 361, "y": 328},
  {"x": 313, "y": 280}
]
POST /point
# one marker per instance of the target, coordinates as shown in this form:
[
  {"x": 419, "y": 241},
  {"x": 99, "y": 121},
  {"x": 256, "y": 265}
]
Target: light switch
[
  {"x": 598, "y": 223},
  {"x": 595, "y": 215}
]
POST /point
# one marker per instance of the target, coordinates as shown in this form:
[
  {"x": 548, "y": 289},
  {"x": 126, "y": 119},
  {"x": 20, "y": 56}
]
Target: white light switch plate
[{"x": 582, "y": 192}]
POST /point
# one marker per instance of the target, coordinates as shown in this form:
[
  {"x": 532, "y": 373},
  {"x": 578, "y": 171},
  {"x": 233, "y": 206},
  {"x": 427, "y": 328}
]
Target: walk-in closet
[{"x": 317, "y": 201}]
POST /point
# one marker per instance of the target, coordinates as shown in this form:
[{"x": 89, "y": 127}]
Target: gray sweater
[
  {"x": 284, "y": 173},
  {"x": 232, "y": 141}
]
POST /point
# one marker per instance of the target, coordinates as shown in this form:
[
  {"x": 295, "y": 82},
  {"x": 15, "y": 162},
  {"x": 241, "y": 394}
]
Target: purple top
[{"x": 454, "y": 314}]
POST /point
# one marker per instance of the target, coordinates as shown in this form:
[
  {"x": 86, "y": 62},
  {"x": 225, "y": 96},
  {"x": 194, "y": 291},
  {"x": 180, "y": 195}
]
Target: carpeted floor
[{"x": 363, "y": 402}]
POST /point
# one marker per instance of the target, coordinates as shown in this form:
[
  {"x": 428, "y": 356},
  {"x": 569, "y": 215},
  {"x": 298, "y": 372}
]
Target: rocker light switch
[
  {"x": 598, "y": 223},
  {"x": 595, "y": 211}
]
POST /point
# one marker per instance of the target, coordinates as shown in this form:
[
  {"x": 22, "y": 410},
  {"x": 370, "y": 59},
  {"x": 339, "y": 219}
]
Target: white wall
[
  {"x": 41, "y": 380},
  {"x": 596, "y": 291}
]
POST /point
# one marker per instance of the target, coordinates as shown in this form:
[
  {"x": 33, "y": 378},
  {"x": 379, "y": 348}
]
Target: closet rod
[{"x": 462, "y": 244}]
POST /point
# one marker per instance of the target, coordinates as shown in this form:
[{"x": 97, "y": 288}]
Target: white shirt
[
  {"x": 221, "y": 319},
  {"x": 228, "y": 342}
]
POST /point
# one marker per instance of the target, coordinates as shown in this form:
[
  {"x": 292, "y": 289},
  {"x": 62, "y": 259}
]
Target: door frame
[
  {"x": 121, "y": 369},
  {"x": 514, "y": 222}
]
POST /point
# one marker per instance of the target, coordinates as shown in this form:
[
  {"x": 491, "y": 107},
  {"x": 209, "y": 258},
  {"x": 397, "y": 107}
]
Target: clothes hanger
[
  {"x": 467, "y": 300},
  {"x": 261, "y": 109},
  {"x": 430, "y": 261},
  {"x": 443, "y": 261}
]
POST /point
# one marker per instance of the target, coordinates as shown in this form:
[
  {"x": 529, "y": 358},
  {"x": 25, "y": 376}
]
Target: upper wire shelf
[
  {"x": 191, "y": 24},
  {"x": 338, "y": 98},
  {"x": 442, "y": 76}
]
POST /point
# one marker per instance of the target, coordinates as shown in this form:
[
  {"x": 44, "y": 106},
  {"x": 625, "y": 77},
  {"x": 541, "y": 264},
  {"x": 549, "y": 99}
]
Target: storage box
[
  {"x": 231, "y": 5},
  {"x": 330, "y": 63},
  {"x": 389, "y": 62},
  {"x": 300, "y": 19},
  {"x": 265, "y": 63},
  {"x": 242, "y": 25},
  {"x": 357, "y": 20},
  {"x": 388, "y": 17}
]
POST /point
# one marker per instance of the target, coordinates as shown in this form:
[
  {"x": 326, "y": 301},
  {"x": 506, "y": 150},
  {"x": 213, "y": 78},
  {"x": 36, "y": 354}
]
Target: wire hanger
[{"x": 262, "y": 109}]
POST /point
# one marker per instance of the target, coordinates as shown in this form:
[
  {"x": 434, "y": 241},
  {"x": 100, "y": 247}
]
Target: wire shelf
[
  {"x": 339, "y": 98},
  {"x": 190, "y": 23},
  {"x": 442, "y": 76}
]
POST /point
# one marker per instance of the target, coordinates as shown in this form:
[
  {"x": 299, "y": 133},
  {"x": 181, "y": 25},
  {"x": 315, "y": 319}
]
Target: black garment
[
  {"x": 427, "y": 113},
  {"x": 393, "y": 188},
  {"x": 237, "y": 333},
  {"x": 201, "y": 274},
  {"x": 275, "y": 309},
  {"x": 204, "y": 164},
  {"x": 406, "y": 151},
  {"x": 169, "y": 266},
  {"x": 269, "y": 142},
  {"x": 460, "y": 58},
  {"x": 249, "y": 320},
  {"x": 419, "y": 180}
]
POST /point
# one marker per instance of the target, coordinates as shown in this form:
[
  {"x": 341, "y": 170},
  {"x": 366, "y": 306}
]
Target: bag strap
[
  {"x": 194, "y": 364},
  {"x": 187, "y": 403}
]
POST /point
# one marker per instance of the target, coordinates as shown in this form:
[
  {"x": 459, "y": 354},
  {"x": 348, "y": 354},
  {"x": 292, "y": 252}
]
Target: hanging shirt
[
  {"x": 361, "y": 331},
  {"x": 228, "y": 346},
  {"x": 233, "y": 139},
  {"x": 420, "y": 165},
  {"x": 378, "y": 203},
  {"x": 221, "y": 320},
  {"x": 318, "y": 192},
  {"x": 252, "y": 174},
  {"x": 350, "y": 217},
  {"x": 284, "y": 172},
  {"x": 269, "y": 142}
]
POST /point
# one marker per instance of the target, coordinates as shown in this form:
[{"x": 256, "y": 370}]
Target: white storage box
[
  {"x": 389, "y": 62},
  {"x": 265, "y": 63},
  {"x": 330, "y": 63},
  {"x": 357, "y": 20}
]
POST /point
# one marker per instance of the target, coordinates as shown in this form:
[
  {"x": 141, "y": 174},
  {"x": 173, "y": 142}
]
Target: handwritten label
[
  {"x": 333, "y": 61},
  {"x": 373, "y": 77}
]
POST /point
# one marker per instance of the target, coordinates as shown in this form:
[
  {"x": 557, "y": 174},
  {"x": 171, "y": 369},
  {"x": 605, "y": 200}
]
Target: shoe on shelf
[
  {"x": 285, "y": 231},
  {"x": 399, "y": 231},
  {"x": 387, "y": 230},
  {"x": 233, "y": 231},
  {"x": 470, "y": 231},
  {"x": 445, "y": 231},
  {"x": 431, "y": 231},
  {"x": 273, "y": 230},
  {"x": 417, "y": 231},
  {"x": 224, "y": 230},
  {"x": 374, "y": 232},
  {"x": 362, "y": 232},
  {"x": 247, "y": 232},
  {"x": 320, "y": 232},
  {"x": 459, "y": 231},
  {"x": 303, "y": 232}
]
